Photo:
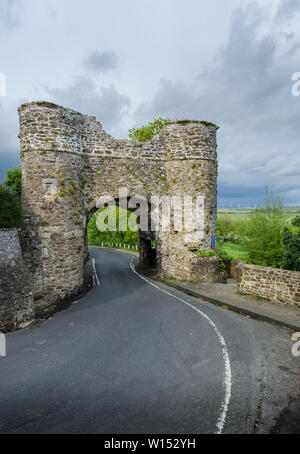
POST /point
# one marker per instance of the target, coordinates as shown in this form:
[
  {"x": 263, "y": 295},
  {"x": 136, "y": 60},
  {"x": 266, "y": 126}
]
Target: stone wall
[
  {"x": 16, "y": 300},
  {"x": 68, "y": 161},
  {"x": 206, "y": 269},
  {"x": 233, "y": 268},
  {"x": 280, "y": 286}
]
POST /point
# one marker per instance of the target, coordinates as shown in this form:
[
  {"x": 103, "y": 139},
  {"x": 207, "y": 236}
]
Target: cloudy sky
[{"x": 128, "y": 61}]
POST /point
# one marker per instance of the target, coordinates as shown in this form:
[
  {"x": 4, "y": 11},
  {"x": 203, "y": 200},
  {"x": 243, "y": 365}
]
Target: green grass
[{"x": 236, "y": 251}]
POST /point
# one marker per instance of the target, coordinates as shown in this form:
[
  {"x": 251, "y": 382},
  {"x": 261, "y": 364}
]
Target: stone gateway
[{"x": 68, "y": 161}]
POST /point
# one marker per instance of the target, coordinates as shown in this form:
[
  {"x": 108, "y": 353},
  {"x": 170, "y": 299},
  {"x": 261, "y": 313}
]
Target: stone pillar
[
  {"x": 191, "y": 170},
  {"x": 53, "y": 202}
]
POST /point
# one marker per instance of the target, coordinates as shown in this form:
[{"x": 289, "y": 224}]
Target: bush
[
  {"x": 201, "y": 253},
  {"x": 11, "y": 214},
  {"x": 296, "y": 221},
  {"x": 222, "y": 266},
  {"x": 264, "y": 233},
  {"x": 225, "y": 227},
  {"x": 291, "y": 256},
  {"x": 231, "y": 230},
  {"x": 147, "y": 132},
  {"x": 13, "y": 179}
]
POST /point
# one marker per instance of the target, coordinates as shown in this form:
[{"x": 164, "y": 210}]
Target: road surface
[{"x": 134, "y": 356}]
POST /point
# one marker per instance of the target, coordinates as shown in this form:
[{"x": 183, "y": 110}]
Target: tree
[
  {"x": 291, "y": 240},
  {"x": 13, "y": 179},
  {"x": 11, "y": 214},
  {"x": 264, "y": 233},
  {"x": 96, "y": 237},
  {"x": 146, "y": 132}
]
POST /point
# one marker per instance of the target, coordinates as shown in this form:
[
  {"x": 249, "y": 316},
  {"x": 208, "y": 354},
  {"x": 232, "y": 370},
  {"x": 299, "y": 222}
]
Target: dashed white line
[
  {"x": 95, "y": 273},
  {"x": 227, "y": 367}
]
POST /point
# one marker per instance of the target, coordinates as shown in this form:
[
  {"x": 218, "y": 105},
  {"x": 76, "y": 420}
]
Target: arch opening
[{"x": 120, "y": 228}]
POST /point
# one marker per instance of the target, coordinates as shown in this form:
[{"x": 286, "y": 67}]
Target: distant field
[{"x": 241, "y": 213}]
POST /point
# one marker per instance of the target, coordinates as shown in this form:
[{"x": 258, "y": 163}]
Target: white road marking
[
  {"x": 95, "y": 273},
  {"x": 227, "y": 375}
]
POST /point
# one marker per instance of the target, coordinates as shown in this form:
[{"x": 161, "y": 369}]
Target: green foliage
[
  {"x": 96, "y": 238},
  {"x": 11, "y": 214},
  {"x": 291, "y": 256},
  {"x": 264, "y": 233},
  {"x": 201, "y": 253},
  {"x": 231, "y": 229},
  {"x": 222, "y": 266},
  {"x": 146, "y": 132},
  {"x": 13, "y": 179},
  {"x": 225, "y": 226},
  {"x": 296, "y": 221},
  {"x": 221, "y": 252},
  {"x": 243, "y": 228}
]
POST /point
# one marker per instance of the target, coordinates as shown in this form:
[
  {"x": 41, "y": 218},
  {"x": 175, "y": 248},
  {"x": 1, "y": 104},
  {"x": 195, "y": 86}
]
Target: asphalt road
[{"x": 137, "y": 357}]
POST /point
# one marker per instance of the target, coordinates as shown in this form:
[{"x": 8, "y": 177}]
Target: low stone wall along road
[{"x": 134, "y": 356}]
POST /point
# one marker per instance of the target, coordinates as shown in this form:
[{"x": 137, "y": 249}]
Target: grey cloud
[
  {"x": 287, "y": 9},
  {"x": 107, "y": 104},
  {"x": 246, "y": 88},
  {"x": 247, "y": 91},
  {"x": 100, "y": 62},
  {"x": 9, "y": 13},
  {"x": 172, "y": 99}
]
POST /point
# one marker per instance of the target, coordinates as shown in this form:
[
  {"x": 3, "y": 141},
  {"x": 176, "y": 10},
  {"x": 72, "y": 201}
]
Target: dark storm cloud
[
  {"x": 9, "y": 129},
  {"x": 100, "y": 62},
  {"x": 245, "y": 196},
  {"x": 247, "y": 92}
]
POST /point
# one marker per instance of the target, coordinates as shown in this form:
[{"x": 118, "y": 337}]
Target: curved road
[{"x": 133, "y": 356}]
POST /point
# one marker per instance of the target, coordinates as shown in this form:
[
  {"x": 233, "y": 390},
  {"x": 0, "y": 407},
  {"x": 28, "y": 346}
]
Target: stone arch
[{"x": 68, "y": 160}]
